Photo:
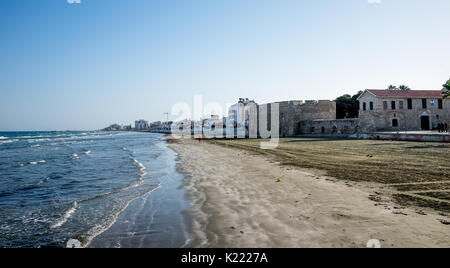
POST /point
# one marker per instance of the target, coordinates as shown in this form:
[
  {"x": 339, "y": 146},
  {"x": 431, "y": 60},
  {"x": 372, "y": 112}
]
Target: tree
[
  {"x": 347, "y": 106},
  {"x": 404, "y": 88},
  {"x": 446, "y": 93}
]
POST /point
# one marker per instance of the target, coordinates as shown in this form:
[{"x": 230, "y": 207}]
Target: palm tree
[
  {"x": 392, "y": 87},
  {"x": 446, "y": 93},
  {"x": 403, "y": 87}
]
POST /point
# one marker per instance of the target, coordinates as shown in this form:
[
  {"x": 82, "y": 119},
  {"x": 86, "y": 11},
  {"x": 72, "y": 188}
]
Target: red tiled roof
[{"x": 406, "y": 93}]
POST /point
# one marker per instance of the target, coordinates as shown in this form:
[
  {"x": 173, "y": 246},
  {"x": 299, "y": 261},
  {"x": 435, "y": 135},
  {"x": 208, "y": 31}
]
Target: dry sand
[{"x": 237, "y": 202}]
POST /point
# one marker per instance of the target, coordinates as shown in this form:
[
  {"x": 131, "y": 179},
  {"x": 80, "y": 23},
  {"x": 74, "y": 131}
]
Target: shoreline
[
  {"x": 154, "y": 219},
  {"x": 236, "y": 201}
]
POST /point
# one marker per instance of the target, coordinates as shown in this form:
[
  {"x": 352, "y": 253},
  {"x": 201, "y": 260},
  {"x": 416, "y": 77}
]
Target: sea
[{"x": 90, "y": 189}]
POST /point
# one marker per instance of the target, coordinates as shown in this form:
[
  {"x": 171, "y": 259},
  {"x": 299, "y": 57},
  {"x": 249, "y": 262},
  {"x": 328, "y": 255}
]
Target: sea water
[{"x": 99, "y": 189}]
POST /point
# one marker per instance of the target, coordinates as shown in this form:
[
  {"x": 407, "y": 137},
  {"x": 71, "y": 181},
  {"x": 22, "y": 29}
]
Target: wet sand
[{"x": 237, "y": 202}]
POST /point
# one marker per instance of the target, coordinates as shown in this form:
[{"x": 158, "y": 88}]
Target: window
[
  {"x": 393, "y": 105},
  {"x": 400, "y": 104},
  {"x": 364, "y": 106},
  {"x": 371, "y": 105},
  {"x": 440, "y": 104},
  {"x": 410, "y": 104},
  {"x": 424, "y": 103},
  {"x": 385, "y": 105},
  {"x": 394, "y": 122}
]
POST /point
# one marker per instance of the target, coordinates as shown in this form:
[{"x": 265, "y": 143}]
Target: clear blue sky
[{"x": 85, "y": 66}]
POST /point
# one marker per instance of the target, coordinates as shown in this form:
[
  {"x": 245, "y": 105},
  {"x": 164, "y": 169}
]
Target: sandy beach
[{"x": 237, "y": 201}]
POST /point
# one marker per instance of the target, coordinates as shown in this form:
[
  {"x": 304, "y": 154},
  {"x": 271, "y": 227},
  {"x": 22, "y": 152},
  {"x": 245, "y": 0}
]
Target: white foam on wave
[
  {"x": 138, "y": 164},
  {"x": 7, "y": 141},
  {"x": 67, "y": 214},
  {"x": 75, "y": 156},
  {"x": 87, "y": 152},
  {"x": 3, "y": 138},
  {"x": 107, "y": 223},
  {"x": 141, "y": 167},
  {"x": 42, "y": 181},
  {"x": 36, "y": 162}
]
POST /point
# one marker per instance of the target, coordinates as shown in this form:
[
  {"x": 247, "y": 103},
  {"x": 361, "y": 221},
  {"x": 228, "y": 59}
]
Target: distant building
[
  {"x": 396, "y": 110},
  {"x": 141, "y": 125},
  {"x": 155, "y": 125},
  {"x": 114, "y": 127},
  {"x": 239, "y": 113}
]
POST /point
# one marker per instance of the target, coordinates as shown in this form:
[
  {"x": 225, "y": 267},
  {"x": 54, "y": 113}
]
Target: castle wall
[
  {"x": 336, "y": 126},
  {"x": 292, "y": 112}
]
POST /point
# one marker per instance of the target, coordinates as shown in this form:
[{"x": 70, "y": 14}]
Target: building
[
  {"x": 141, "y": 125},
  {"x": 292, "y": 113},
  {"x": 396, "y": 110},
  {"x": 239, "y": 113},
  {"x": 113, "y": 127},
  {"x": 213, "y": 126}
]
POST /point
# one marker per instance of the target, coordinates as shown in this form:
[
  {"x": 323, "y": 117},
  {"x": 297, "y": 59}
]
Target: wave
[
  {"x": 66, "y": 215},
  {"x": 7, "y": 141},
  {"x": 42, "y": 181},
  {"x": 139, "y": 165},
  {"x": 34, "y": 185},
  {"x": 133, "y": 184},
  {"x": 87, "y": 152},
  {"x": 86, "y": 239},
  {"x": 3, "y": 138},
  {"x": 37, "y": 162}
]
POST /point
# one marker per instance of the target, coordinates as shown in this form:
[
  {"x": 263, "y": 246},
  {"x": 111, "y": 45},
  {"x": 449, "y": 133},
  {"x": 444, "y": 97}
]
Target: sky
[{"x": 83, "y": 66}]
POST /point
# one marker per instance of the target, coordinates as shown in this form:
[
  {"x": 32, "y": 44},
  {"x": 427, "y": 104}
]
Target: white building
[
  {"x": 239, "y": 113},
  {"x": 141, "y": 125}
]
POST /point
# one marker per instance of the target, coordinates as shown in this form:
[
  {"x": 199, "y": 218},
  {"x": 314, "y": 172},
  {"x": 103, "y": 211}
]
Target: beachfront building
[
  {"x": 239, "y": 116},
  {"x": 113, "y": 127},
  {"x": 397, "y": 110},
  {"x": 239, "y": 113},
  {"x": 166, "y": 127},
  {"x": 213, "y": 126},
  {"x": 141, "y": 125},
  {"x": 292, "y": 113},
  {"x": 127, "y": 128}
]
